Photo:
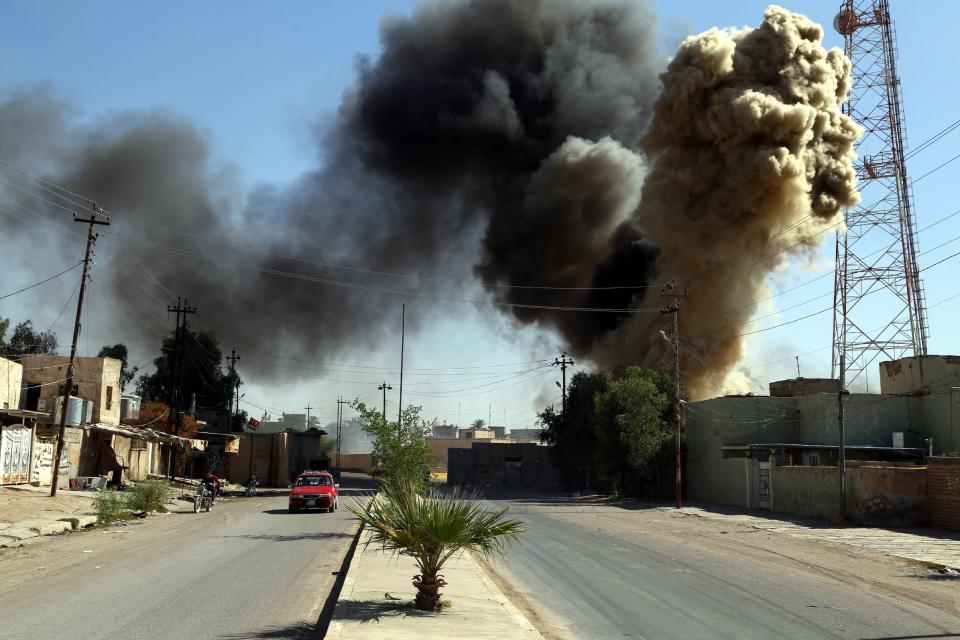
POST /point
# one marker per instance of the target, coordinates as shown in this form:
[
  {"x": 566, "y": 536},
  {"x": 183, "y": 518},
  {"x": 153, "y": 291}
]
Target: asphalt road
[
  {"x": 247, "y": 569},
  {"x": 597, "y": 571}
]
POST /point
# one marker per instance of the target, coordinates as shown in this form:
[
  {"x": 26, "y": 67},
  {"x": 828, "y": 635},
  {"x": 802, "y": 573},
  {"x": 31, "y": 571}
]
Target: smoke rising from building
[{"x": 528, "y": 143}]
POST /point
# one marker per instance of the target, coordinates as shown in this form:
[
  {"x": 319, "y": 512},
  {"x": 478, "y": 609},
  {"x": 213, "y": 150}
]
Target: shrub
[
  {"x": 111, "y": 506},
  {"x": 151, "y": 495},
  {"x": 431, "y": 527}
]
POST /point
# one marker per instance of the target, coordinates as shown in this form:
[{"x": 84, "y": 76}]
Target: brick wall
[{"x": 944, "y": 506}]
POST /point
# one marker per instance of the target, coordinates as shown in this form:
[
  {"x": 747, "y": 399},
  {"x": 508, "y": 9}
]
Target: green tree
[
  {"x": 634, "y": 423},
  {"x": 201, "y": 373},
  {"x": 431, "y": 528},
  {"x": 119, "y": 352},
  {"x": 401, "y": 451},
  {"x": 573, "y": 438},
  {"x": 479, "y": 423},
  {"x": 25, "y": 340}
]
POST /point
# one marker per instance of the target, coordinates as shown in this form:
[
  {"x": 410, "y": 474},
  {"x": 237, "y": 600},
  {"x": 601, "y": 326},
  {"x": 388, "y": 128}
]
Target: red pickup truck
[{"x": 313, "y": 490}]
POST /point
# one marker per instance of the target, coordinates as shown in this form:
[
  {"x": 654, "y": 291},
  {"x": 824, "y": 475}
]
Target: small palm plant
[{"x": 432, "y": 527}]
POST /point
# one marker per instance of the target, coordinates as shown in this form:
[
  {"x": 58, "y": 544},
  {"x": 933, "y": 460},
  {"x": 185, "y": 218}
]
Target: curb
[
  {"x": 325, "y": 627},
  {"x": 532, "y": 633}
]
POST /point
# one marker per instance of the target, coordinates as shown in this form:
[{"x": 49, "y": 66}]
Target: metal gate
[{"x": 15, "y": 444}]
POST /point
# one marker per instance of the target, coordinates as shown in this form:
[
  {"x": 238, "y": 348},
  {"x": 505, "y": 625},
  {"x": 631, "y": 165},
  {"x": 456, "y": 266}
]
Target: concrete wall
[
  {"x": 362, "y": 462},
  {"x": 944, "y": 503},
  {"x": 266, "y": 454},
  {"x": 11, "y": 375},
  {"x": 438, "y": 448},
  {"x": 919, "y": 373},
  {"x": 869, "y": 419},
  {"x": 877, "y": 495},
  {"x": 939, "y": 413},
  {"x": 503, "y": 464},
  {"x": 803, "y": 387},
  {"x": 735, "y": 420},
  {"x": 97, "y": 379}
]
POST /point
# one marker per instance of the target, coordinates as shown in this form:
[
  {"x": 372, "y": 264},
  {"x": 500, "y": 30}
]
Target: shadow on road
[
  {"x": 293, "y": 537},
  {"x": 301, "y": 631}
]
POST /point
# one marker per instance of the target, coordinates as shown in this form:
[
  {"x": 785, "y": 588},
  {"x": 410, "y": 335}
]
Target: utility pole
[
  {"x": 384, "y": 387},
  {"x": 670, "y": 291},
  {"x": 340, "y": 403},
  {"x": 403, "y": 330},
  {"x": 68, "y": 386},
  {"x": 308, "y": 407},
  {"x": 174, "y": 418},
  {"x": 563, "y": 362},
  {"x": 232, "y": 358}
]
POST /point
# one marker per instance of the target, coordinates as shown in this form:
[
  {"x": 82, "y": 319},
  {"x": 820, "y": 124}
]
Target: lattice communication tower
[{"x": 879, "y": 309}]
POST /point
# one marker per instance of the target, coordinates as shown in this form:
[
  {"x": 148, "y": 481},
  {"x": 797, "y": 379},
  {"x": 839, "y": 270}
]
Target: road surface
[
  {"x": 588, "y": 569},
  {"x": 247, "y": 569}
]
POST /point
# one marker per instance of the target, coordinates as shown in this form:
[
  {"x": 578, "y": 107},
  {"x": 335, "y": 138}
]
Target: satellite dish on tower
[{"x": 846, "y": 22}]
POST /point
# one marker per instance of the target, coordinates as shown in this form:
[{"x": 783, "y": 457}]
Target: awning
[{"x": 142, "y": 433}]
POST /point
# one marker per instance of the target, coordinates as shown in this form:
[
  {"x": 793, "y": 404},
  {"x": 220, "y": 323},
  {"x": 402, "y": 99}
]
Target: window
[
  {"x": 109, "y": 398},
  {"x": 314, "y": 481}
]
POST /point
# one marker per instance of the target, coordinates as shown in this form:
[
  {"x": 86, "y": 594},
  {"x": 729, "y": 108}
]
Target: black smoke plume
[{"x": 500, "y": 140}]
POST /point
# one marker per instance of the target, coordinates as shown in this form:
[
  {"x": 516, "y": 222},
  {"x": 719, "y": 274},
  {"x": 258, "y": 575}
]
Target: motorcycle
[
  {"x": 252, "y": 486},
  {"x": 203, "y": 499}
]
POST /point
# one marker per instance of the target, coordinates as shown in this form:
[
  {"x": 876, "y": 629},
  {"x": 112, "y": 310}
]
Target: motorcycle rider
[{"x": 212, "y": 483}]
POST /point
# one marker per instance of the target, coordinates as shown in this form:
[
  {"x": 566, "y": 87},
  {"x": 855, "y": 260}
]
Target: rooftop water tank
[
  {"x": 87, "y": 411},
  {"x": 129, "y": 407}
]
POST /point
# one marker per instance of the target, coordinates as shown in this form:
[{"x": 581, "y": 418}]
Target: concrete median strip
[{"x": 377, "y": 596}]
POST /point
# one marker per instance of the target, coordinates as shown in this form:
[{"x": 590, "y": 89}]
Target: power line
[{"x": 45, "y": 281}]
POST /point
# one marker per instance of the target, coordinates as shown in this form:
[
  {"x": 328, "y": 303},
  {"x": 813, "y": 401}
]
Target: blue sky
[{"x": 256, "y": 76}]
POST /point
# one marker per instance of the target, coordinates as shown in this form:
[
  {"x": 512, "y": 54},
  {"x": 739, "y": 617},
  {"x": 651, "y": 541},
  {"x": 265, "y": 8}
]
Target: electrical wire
[{"x": 37, "y": 284}]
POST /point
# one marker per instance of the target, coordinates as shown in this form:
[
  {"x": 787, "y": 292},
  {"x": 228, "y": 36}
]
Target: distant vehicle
[
  {"x": 313, "y": 490},
  {"x": 203, "y": 499}
]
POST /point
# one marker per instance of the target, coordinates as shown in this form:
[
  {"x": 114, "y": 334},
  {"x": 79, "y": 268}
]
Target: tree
[
  {"x": 573, "y": 438},
  {"x": 615, "y": 433},
  {"x": 479, "y": 423},
  {"x": 202, "y": 377},
  {"x": 634, "y": 421},
  {"x": 401, "y": 451},
  {"x": 25, "y": 340},
  {"x": 119, "y": 352},
  {"x": 431, "y": 528}
]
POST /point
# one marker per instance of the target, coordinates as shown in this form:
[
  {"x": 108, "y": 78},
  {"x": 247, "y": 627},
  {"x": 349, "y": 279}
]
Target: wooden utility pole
[
  {"x": 94, "y": 219},
  {"x": 232, "y": 358},
  {"x": 384, "y": 387},
  {"x": 308, "y": 408},
  {"x": 670, "y": 291},
  {"x": 340, "y": 403},
  {"x": 175, "y": 416},
  {"x": 563, "y": 362}
]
